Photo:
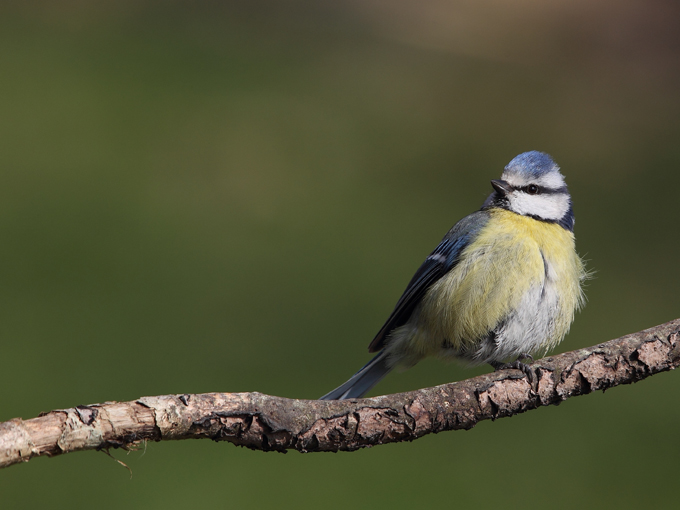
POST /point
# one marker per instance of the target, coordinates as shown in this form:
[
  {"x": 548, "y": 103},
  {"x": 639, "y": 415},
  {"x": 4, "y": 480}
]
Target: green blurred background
[{"x": 231, "y": 196}]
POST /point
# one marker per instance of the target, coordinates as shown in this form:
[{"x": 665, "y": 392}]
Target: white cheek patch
[{"x": 548, "y": 207}]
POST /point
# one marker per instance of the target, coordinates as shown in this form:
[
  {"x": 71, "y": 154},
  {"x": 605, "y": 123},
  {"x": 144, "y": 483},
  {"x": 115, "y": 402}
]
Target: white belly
[{"x": 531, "y": 327}]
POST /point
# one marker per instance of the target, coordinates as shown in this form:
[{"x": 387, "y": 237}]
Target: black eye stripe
[
  {"x": 531, "y": 189},
  {"x": 542, "y": 190}
]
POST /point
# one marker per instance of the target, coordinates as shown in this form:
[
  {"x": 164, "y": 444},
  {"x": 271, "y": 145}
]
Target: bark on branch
[{"x": 264, "y": 422}]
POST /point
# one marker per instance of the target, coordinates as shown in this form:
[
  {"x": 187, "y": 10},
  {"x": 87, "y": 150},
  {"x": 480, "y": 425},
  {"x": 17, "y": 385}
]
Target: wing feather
[{"x": 444, "y": 258}]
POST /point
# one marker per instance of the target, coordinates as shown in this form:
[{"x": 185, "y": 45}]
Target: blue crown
[{"x": 532, "y": 163}]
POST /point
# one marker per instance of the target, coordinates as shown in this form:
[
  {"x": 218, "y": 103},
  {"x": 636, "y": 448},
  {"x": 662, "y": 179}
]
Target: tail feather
[{"x": 359, "y": 384}]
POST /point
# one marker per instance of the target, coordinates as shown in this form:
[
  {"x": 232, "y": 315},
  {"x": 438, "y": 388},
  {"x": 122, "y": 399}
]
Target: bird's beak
[{"x": 502, "y": 187}]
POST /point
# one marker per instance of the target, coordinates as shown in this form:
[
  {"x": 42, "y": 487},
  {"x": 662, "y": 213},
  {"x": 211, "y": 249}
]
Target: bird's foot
[{"x": 517, "y": 365}]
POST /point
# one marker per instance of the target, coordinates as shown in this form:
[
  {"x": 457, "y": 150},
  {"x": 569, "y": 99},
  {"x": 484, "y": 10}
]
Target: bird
[{"x": 504, "y": 282}]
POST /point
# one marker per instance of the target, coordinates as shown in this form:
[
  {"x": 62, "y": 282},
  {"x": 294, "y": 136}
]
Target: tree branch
[{"x": 264, "y": 422}]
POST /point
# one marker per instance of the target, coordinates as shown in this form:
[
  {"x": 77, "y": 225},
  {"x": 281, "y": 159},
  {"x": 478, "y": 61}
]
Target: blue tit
[{"x": 504, "y": 282}]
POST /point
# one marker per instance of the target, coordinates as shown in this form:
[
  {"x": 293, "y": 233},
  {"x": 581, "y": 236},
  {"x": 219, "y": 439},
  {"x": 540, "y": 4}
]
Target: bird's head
[{"x": 532, "y": 185}]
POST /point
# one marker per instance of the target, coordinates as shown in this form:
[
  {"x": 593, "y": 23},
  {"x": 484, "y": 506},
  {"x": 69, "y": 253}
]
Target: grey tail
[{"x": 363, "y": 380}]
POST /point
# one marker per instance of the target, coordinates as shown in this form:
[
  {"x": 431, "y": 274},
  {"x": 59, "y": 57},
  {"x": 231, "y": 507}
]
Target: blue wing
[{"x": 444, "y": 258}]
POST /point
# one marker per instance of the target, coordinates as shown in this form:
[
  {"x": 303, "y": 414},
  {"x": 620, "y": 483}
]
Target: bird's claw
[{"x": 518, "y": 365}]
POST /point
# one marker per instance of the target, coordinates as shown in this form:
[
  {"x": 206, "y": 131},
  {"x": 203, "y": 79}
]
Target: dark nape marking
[{"x": 567, "y": 221}]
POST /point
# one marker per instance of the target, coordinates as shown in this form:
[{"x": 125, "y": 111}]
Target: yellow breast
[{"x": 510, "y": 256}]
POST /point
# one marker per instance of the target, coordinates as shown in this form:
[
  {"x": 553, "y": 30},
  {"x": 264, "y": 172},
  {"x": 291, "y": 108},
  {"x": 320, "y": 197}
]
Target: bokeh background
[{"x": 231, "y": 196}]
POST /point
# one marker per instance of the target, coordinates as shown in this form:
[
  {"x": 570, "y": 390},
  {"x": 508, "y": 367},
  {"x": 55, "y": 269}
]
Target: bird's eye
[{"x": 532, "y": 189}]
